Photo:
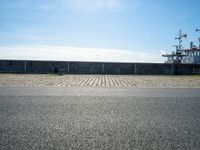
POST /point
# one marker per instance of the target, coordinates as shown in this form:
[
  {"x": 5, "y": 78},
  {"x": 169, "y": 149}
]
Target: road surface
[{"x": 99, "y": 118}]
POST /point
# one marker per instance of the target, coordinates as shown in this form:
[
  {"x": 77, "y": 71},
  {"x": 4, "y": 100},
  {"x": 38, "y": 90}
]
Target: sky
[{"x": 95, "y": 30}]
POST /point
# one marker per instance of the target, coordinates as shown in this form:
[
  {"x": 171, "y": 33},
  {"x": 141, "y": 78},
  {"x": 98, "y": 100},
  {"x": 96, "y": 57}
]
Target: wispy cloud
[
  {"x": 76, "y": 54},
  {"x": 27, "y": 5},
  {"x": 89, "y": 5},
  {"x": 28, "y": 37}
]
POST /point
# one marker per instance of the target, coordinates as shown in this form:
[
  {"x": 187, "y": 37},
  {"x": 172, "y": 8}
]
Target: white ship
[{"x": 182, "y": 55}]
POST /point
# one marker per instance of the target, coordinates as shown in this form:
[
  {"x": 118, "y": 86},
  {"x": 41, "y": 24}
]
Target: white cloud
[{"x": 76, "y": 54}]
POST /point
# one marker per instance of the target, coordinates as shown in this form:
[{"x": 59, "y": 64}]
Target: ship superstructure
[{"x": 182, "y": 55}]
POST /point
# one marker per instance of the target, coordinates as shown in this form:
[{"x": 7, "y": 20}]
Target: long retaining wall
[{"x": 70, "y": 67}]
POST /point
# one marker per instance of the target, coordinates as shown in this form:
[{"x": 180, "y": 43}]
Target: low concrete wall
[{"x": 66, "y": 67}]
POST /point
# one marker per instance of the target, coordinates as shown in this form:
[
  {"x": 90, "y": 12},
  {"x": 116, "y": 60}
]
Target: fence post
[
  {"x": 68, "y": 67},
  {"x": 135, "y": 68},
  {"x": 25, "y": 66},
  {"x": 102, "y": 68},
  {"x": 172, "y": 69}
]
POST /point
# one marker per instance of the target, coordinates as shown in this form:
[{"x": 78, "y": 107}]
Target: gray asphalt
[{"x": 99, "y": 118}]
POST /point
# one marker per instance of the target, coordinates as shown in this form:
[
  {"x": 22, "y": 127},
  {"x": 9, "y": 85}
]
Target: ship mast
[
  {"x": 175, "y": 57},
  {"x": 179, "y": 38},
  {"x": 179, "y": 48},
  {"x": 198, "y": 30},
  {"x": 184, "y": 55}
]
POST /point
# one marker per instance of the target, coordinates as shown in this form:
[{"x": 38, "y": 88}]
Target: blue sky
[{"x": 144, "y": 28}]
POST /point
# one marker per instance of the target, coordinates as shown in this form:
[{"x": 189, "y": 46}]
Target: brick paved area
[{"x": 99, "y": 80}]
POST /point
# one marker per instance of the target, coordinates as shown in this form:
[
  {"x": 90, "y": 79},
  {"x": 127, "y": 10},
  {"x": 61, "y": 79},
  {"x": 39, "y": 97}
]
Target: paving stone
[{"x": 99, "y": 80}]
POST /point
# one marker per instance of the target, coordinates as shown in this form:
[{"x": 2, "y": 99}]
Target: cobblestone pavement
[{"x": 99, "y": 80}]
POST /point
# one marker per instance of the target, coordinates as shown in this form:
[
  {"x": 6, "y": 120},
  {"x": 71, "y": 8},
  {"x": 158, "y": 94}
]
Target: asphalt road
[{"x": 99, "y": 118}]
